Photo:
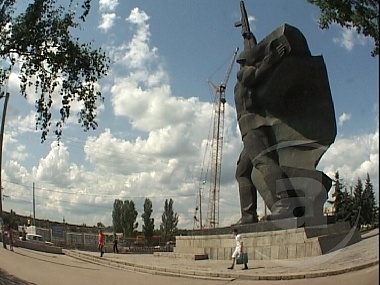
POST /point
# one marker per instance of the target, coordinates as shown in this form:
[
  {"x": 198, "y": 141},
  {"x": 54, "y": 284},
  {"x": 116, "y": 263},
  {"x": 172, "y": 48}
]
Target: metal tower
[{"x": 212, "y": 220}]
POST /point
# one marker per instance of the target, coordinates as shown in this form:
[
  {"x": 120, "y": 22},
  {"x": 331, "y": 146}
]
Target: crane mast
[{"x": 212, "y": 220}]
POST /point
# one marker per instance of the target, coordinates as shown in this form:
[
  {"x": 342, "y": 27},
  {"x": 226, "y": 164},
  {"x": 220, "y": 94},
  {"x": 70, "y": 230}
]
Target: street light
[{"x": 1, "y": 157}]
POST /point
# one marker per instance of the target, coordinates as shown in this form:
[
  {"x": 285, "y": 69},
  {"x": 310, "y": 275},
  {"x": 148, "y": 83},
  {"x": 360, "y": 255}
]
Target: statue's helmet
[{"x": 251, "y": 56}]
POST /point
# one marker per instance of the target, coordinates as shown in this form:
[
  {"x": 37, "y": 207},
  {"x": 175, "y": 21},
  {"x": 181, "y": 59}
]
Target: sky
[{"x": 156, "y": 119}]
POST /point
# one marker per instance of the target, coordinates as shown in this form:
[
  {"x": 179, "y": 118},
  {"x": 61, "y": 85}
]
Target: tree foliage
[
  {"x": 148, "y": 221},
  {"x": 368, "y": 203},
  {"x": 169, "y": 222},
  {"x": 128, "y": 219},
  {"x": 361, "y": 15},
  {"x": 12, "y": 219},
  {"x": 358, "y": 201},
  {"x": 343, "y": 202},
  {"x": 348, "y": 212},
  {"x": 38, "y": 43},
  {"x": 359, "y": 206},
  {"x": 117, "y": 214},
  {"x": 338, "y": 198}
]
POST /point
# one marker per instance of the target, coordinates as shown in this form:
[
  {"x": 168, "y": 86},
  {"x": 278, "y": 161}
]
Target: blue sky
[{"x": 155, "y": 121}]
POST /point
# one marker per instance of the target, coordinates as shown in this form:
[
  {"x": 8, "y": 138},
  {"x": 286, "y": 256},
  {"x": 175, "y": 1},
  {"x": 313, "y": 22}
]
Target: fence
[{"x": 88, "y": 241}]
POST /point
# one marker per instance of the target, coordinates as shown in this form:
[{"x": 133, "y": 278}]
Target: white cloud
[
  {"x": 138, "y": 17},
  {"x": 344, "y": 118},
  {"x": 108, "y": 5},
  {"x": 164, "y": 163},
  {"x": 168, "y": 159},
  {"x": 20, "y": 123},
  {"x": 251, "y": 19},
  {"x": 107, "y": 14},
  {"x": 53, "y": 168},
  {"x": 144, "y": 95},
  {"x": 137, "y": 52},
  {"x": 107, "y": 21},
  {"x": 126, "y": 169},
  {"x": 349, "y": 38},
  {"x": 14, "y": 171},
  {"x": 20, "y": 153},
  {"x": 354, "y": 157}
]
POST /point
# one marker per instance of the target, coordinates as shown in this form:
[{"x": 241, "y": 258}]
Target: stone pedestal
[{"x": 269, "y": 243}]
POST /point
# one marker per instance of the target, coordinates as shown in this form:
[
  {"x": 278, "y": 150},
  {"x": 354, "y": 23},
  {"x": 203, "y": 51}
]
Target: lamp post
[{"x": 1, "y": 157}]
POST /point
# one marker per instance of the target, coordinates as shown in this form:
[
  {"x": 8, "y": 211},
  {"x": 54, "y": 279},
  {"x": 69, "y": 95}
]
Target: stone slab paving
[{"x": 354, "y": 257}]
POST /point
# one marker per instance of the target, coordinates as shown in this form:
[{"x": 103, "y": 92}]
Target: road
[{"x": 26, "y": 267}]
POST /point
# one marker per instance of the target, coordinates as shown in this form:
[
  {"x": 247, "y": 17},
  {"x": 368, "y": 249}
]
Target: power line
[{"x": 99, "y": 195}]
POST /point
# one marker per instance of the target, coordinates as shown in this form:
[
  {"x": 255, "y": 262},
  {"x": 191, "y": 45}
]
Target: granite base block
[{"x": 264, "y": 241}]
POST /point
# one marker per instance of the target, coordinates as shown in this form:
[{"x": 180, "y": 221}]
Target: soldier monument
[
  {"x": 286, "y": 119},
  {"x": 287, "y": 122}
]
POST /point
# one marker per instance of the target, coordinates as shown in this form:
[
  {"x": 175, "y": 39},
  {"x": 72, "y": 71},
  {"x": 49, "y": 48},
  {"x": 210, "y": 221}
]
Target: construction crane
[{"x": 212, "y": 220}]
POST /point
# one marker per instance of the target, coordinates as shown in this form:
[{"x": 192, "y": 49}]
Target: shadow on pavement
[
  {"x": 7, "y": 279},
  {"x": 255, "y": 267}
]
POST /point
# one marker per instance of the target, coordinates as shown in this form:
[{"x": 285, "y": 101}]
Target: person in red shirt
[
  {"x": 10, "y": 238},
  {"x": 101, "y": 242}
]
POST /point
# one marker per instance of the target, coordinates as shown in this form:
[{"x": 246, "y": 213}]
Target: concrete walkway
[{"x": 358, "y": 256}]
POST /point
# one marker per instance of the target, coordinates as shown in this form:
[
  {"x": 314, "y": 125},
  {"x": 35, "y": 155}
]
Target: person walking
[
  {"x": 10, "y": 238},
  {"x": 238, "y": 249},
  {"x": 115, "y": 241},
  {"x": 101, "y": 242}
]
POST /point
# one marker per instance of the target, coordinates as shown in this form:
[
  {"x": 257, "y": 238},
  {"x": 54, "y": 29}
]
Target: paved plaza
[{"x": 363, "y": 254}]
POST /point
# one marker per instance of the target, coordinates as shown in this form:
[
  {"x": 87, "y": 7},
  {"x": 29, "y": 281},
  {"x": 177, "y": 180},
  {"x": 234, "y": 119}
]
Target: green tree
[
  {"x": 343, "y": 202},
  {"x": 361, "y": 15},
  {"x": 11, "y": 219},
  {"x": 129, "y": 218},
  {"x": 369, "y": 203},
  {"x": 358, "y": 201},
  {"x": 338, "y": 199},
  {"x": 148, "y": 222},
  {"x": 39, "y": 44},
  {"x": 347, "y": 208},
  {"x": 117, "y": 214},
  {"x": 169, "y": 222}
]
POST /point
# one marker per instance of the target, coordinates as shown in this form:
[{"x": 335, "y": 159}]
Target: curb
[
  {"x": 199, "y": 274},
  {"x": 154, "y": 270},
  {"x": 369, "y": 235}
]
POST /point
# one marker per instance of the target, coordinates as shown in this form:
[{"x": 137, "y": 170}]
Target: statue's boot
[
  {"x": 287, "y": 206},
  {"x": 279, "y": 195},
  {"x": 247, "y": 219},
  {"x": 248, "y": 203}
]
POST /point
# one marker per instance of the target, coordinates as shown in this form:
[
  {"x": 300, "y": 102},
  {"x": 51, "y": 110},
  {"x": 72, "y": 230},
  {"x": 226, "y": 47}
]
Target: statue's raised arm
[{"x": 249, "y": 38}]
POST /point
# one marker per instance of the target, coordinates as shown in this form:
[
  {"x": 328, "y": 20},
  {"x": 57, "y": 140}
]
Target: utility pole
[
  {"x": 1, "y": 158},
  {"x": 200, "y": 205},
  {"x": 34, "y": 207}
]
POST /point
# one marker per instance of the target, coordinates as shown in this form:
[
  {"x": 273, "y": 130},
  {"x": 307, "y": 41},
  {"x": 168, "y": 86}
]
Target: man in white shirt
[{"x": 238, "y": 249}]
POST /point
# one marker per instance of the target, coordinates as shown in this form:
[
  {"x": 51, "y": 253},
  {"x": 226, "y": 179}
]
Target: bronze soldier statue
[{"x": 279, "y": 91}]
